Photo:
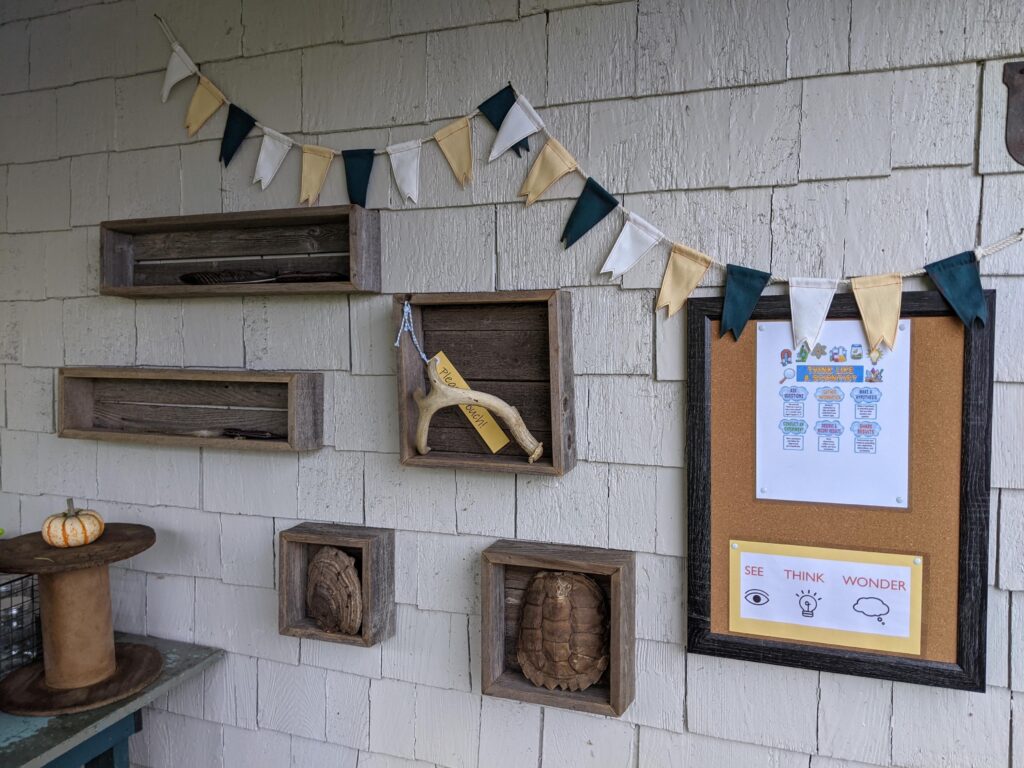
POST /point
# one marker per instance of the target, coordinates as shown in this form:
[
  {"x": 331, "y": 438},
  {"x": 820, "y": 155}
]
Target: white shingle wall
[{"x": 812, "y": 137}]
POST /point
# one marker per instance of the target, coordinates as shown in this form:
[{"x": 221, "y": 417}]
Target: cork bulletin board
[{"x": 939, "y": 535}]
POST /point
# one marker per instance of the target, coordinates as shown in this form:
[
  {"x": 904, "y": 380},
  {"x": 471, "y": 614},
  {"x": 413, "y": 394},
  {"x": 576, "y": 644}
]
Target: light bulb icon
[{"x": 808, "y": 603}]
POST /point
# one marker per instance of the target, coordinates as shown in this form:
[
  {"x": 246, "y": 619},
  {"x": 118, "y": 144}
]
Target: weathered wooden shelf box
[
  {"x": 185, "y": 407},
  {"x": 506, "y": 568},
  {"x": 292, "y": 251},
  {"x": 374, "y": 553},
  {"x": 516, "y": 345}
]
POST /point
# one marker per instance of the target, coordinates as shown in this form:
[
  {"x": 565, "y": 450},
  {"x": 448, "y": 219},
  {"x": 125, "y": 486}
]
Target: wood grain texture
[
  {"x": 28, "y": 553},
  {"x": 373, "y": 550},
  {"x": 966, "y": 669},
  {"x": 506, "y": 568}
]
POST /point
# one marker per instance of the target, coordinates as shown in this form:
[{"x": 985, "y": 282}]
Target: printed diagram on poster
[
  {"x": 833, "y": 421},
  {"x": 842, "y": 597}
]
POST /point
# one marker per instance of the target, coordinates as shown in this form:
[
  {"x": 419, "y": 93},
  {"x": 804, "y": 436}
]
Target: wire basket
[{"x": 21, "y": 637}]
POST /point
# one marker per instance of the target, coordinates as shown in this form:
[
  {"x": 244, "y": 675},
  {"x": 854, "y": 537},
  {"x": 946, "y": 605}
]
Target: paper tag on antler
[{"x": 481, "y": 419}]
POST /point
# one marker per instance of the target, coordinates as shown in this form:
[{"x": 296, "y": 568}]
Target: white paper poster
[{"x": 832, "y": 424}]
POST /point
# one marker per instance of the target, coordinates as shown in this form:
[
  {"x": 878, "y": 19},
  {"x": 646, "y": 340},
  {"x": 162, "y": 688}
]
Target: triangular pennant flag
[
  {"x": 553, "y": 162},
  {"x": 495, "y": 109},
  {"x": 878, "y": 299},
  {"x": 179, "y": 66},
  {"x": 315, "y": 162},
  {"x": 405, "y": 165},
  {"x": 593, "y": 204},
  {"x": 684, "y": 270},
  {"x": 743, "y": 287},
  {"x": 809, "y": 300},
  {"x": 456, "y": 141},
  {"x": 636, "y": 240},
  {"x": 959, "y": 281},
  {"x": 521, "y": 121},
  {"x": 206, "y": 100},
  {"x": 272, "y": 152},
  {"x": 236, "y": 129},
  {"x": 358, "y": 166}
]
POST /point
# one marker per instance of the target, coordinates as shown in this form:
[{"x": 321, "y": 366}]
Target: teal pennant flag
[
  {"x": 743, "y": 288},
  {"x": 236, "y": 129},
  {"x": 593, "y": 204},
  {"x": 959, "y": 281},
  {"x": 496, "y": 107},
  {"x": 358, "y": 166}
]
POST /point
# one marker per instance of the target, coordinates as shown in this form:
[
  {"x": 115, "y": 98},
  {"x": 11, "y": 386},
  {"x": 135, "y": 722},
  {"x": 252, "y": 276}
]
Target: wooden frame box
[
  {"x": 374, "y": 553},
  {"x": 516, "y": 345},
  {"x": 148, "y": 257},
  {"x": 176, "y": 407},
  {"x": 505, "y": 570}
]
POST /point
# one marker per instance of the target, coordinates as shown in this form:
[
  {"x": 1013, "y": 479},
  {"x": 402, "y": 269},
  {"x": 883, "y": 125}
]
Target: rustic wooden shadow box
[
  {"x": 506, "y": 568},
  {"x": 290, "y": 251},
  {"x": 374, "y": 552},
  {"x": 516, "y": 345},
  {"x": 262, "y": 411}
]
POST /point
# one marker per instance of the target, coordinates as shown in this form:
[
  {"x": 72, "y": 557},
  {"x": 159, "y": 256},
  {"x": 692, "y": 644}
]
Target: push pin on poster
[{"x": 1013, "y": 77}]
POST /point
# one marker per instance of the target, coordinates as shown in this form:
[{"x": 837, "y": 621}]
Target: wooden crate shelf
[
  {"x": 374, "y": 552},
  {"x": 506, "y": 568},
  {"x": 172, "y": 407},
  {"x": 516, "y": 345},
  {"x": 148, "y": 257}
]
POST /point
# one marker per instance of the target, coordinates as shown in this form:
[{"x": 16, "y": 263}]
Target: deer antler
[{"x": 442, "y": 395}]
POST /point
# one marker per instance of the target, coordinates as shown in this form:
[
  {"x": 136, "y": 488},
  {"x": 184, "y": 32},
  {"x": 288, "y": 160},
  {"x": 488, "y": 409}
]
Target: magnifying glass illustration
[{"x": 789, "y": 373}]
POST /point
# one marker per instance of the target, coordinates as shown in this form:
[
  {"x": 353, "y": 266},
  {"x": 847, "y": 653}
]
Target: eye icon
[{"x": 756, "y": 596}]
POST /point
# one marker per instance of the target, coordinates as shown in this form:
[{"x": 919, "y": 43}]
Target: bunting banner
[
  {"x": 553, "y": 162},
  {"x": 637, "y": 238},
  {"x": 593, "y": 204},
  {"x": 958, "y": 278},
  {"x": 273, "y": 150},
  {"x": 206, "y": 100},
  {"x": 743, "y": 287},
  {"x": 179, "y": 66},
  {"x": 358, "y": 166},
  {"x": 683, "y": 272},
  {"x": 315, "y": 162},
  {"x": 878, "y": 299},
  {"x": 405, "y": 165},
  {"x": 456, "y": 142},
  {"x": 521, "y": 121},
  {"x": 496, "y": 107},
  {"x": 809, "y": 300},
  {"x": 236, "y": 129}
]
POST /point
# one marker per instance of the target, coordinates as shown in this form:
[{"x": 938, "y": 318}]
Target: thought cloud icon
[{"x": 871, "y": 606}]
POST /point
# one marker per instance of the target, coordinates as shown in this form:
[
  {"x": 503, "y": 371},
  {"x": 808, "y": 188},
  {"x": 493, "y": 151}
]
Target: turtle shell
[
  {"x": 563, "y": 634},
  {"x": 334, "y": 595}
]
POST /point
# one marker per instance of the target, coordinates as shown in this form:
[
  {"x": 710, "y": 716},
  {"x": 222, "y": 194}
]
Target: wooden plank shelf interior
[
  {"x": 374, "y": 552},
  {"x": 516, "y": 345},
  {"x": 506, "y": 568},
  {"x": 186, "y": 407},
  {"x": 293, "y": 251}
]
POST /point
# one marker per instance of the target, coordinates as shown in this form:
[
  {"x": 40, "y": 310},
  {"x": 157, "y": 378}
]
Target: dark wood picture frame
[{"x": 968, "y": 672}]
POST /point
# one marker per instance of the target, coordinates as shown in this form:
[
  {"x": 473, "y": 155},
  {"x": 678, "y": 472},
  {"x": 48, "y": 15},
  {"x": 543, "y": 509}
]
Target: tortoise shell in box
[
  {"x": 334, "y": 595},
  {"x": 563, "y": 636}
]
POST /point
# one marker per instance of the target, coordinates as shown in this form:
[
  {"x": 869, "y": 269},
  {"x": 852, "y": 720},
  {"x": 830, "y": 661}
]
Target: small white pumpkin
[{"x": 73, "y": 527}]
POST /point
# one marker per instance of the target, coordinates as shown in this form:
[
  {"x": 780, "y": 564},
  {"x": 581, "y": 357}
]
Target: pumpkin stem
[{"x": 71, "y": 507}]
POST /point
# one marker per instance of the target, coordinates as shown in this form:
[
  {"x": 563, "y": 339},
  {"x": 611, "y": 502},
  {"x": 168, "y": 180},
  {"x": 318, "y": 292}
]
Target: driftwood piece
[
  {"x": 333, "y": 592},
  {"x": 442, "y": 395}
]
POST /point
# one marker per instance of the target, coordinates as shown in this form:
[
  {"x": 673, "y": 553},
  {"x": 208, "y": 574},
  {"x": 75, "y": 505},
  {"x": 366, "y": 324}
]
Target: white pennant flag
[
  {"x": 405, "y": 165},
  {"x": 272, "y": 151},
  {"x": 809, "y": 300},
  {"x": 179, "y": 66},
  {"x": 637, "y": 238},
  {"x": 521, "y": 121}
]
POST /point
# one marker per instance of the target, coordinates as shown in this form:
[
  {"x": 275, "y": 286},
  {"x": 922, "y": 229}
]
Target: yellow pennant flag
[
  {"x": 878, "y": 299},
  {"x": 206, "y": 100},
  {"x": 684, "y": 270},
  {"x": 553, "y": 162},
  {"x": 315, "y": 162},
  {"x": 456, "y": 141}
]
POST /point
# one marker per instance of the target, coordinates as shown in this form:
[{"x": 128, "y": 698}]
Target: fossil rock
[{"x": 334, "y": 597}]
